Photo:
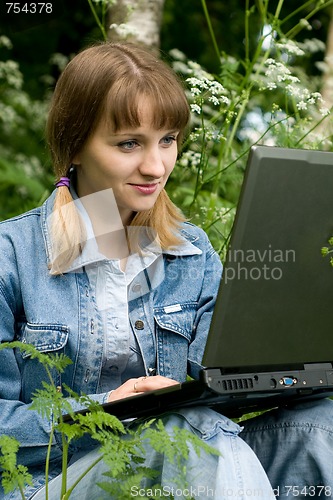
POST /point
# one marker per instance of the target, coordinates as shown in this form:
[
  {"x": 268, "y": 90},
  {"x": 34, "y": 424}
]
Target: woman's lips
[{"x": 145, "y": 188}]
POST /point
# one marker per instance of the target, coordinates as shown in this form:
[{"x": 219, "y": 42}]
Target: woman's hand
[{"x": 140, "y": 385}]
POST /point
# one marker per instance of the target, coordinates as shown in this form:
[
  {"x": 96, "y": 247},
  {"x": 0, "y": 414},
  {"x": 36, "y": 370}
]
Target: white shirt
[{"x": 122, "y": 358}]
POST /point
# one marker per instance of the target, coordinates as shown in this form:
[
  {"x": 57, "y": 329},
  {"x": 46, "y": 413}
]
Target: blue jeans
[
  {"x": 295, "y": 447},
  {"x": 236, "y": 474}
]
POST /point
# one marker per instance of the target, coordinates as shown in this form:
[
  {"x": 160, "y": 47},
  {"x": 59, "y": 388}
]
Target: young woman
[{"x": 104, "y": 272}]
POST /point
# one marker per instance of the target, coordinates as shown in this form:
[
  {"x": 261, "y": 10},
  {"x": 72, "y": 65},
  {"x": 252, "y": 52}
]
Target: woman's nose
[{"x": 152, "y": 164}]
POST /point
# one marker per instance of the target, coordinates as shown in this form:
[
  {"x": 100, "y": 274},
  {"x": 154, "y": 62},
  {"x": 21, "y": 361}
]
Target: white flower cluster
[
  {"x": 9, "y": 71},
  {"x": 206, "y": 89},
  {"x": 8, "y": 118},
  {"x": 312, "y": 45},
  {"x": 290, "y": 47},
  {"x": 124, "y": 30},
  {"x": 277, "y": 72},
  {"x": 190, "y": 159},
  {"x": 59, "y": 60},
  {"x": 203, "y": 86},
  {"x": 5, "y": 42}
]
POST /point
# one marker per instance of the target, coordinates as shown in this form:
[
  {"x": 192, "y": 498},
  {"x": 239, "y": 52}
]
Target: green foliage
[
  {"x": 25, "y": 176},
  {"x": 121, "y": 448},
  {"x": 162, "y": 443},
  {"x": 13, "y": 476},
  {"x": 328, "y": 251}
]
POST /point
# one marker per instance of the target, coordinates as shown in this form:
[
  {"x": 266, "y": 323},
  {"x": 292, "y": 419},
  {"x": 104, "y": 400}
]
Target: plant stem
[
  {"x": 99, "y": 24},
  {"x": 68, "y": 493},
  {"x": 313, "y": 128},
  {"x": 64, "y": 465},
  {"x": 296, "y": 11},
  {"x": 211, "y": 31},
  {"x": 278, "y": 9},
  {"x": 47, "y": 463},
  {"x": 247, "y": 38},
  {"x": 299, "y": 26}
]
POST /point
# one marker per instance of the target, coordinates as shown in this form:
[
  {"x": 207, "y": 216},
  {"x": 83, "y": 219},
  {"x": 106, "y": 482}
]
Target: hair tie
[{"x": 64, "y": 181}]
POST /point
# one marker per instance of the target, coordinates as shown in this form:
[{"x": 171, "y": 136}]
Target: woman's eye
[
  {"x": 128, "y": 145},
  {"x": 168, "y": 140}
]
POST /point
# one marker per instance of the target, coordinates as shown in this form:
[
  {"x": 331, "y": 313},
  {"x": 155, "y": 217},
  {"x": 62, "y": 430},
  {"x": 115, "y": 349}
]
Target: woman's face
[{"x": 135, "y": 163}]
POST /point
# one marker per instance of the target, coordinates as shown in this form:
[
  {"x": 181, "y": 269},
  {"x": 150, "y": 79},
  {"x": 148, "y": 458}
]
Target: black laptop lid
[{"x": 275, "y": 304}]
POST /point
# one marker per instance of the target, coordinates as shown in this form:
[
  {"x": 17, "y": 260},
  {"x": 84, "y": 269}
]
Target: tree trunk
[
  {"x": 136, "y": 21},
  {"x": 327, "y": 87}
]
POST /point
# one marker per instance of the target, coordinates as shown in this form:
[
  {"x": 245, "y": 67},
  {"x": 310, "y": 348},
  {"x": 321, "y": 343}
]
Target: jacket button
[
  {"x": 136, "y": 288},
  {"x": 139, "y": 325}
]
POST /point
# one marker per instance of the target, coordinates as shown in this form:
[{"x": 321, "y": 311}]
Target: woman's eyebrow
[{"x": 140, "y": 134}]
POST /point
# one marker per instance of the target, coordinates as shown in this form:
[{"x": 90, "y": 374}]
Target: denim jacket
[{"x": 171, "y": 312}]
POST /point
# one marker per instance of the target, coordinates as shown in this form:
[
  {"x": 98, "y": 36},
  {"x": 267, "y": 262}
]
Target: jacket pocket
[
  {"x": 174, "y": 330},
  {"x": 177, "y": 318},
  {"x": 48, "y": 339},
  {"x": 45, "y": 338}
]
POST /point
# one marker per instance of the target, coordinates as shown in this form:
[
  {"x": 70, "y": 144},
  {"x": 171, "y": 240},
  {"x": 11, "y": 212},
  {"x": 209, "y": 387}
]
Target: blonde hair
[{"x": 107, "y": 81}]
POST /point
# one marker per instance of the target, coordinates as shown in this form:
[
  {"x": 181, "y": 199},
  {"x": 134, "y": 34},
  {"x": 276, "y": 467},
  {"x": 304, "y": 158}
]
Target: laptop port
[{"x": 288, "y": 381}]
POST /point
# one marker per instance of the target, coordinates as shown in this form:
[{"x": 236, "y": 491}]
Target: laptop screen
[{"x": 275, "y": 304}]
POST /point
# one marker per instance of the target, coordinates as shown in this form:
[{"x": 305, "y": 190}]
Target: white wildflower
[
  {"x": 5, "y": 42},
  {"x": 196, "y": 82},
  {"x": 317, "y": 96},
  {"x": 194, "y": 65},
  {"x": 195, "y": 135},
  {"x": 313, "y": 45},
  {"x": 177, "y": 54},
  {"x": 224, "y": 99},
  {"x": 271, "y": 85},
  {"x": 193, "y": 81},
  {"x": 293, "y": 90},
  {"x": 324, "y": 111},
  {"x": 9, "y": 71},
  {"x": 213, "y": 99},
  {"x": 199, "y": 71},
  {"x": 294, "y": 79},
  {"x": 195, "y": 108},
  {"x": 301, "y": 105},
  {"x": 216, "y": 88},
  {"x": 59, "y": 60},
  {"x": 195, "y": 91},
  {"x": 123, "y": 29},
  {"x": 181, "y": 67},
  {"x": 290, "y": 47}
]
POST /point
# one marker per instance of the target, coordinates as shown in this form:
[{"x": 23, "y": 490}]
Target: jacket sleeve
[
  {"x": 17, "y": 420},
  {"x": 210, "y": 285}
]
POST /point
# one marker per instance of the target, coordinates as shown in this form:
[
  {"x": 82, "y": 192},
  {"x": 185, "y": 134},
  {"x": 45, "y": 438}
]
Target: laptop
[{"x": 270, "y": 342}]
